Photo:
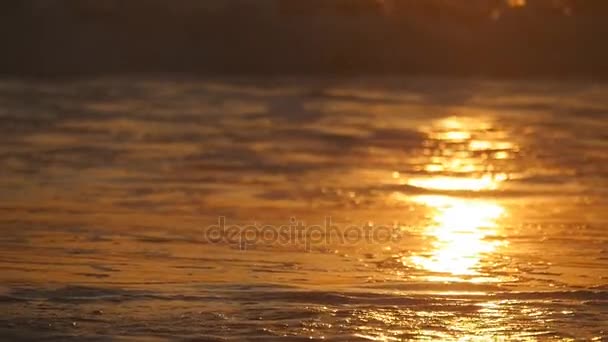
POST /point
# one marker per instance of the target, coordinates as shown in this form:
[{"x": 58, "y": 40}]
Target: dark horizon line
[
  {"x": 517, "y": 46},
  {"x": 189, "y": 75}
]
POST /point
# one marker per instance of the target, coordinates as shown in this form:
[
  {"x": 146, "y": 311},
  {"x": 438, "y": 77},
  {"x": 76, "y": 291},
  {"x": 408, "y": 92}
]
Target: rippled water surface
[{"x": 165, "y": 209}]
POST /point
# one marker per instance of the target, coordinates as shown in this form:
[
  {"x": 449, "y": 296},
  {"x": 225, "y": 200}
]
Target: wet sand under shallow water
[{"x": 494, "y": 194}]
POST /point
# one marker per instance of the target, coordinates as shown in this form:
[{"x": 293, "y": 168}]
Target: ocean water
[{"x": 371, "y": 209}]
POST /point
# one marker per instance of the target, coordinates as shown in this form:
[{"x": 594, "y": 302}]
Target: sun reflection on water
[
  {"x": 485, "y": 182},
  {"x": 462, "y": 154},
  {"x": 460, "y": 231}
]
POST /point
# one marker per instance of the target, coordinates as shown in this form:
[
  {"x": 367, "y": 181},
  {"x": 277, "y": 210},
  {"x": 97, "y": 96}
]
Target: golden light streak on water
[
  {"x": 485, "y": 182},
  {"x": 461, "y": 228},
  {"x": 460, "y": 232}
]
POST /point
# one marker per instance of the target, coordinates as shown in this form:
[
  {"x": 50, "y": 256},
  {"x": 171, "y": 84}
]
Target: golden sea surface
[{"x": 295, "y": 209}]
